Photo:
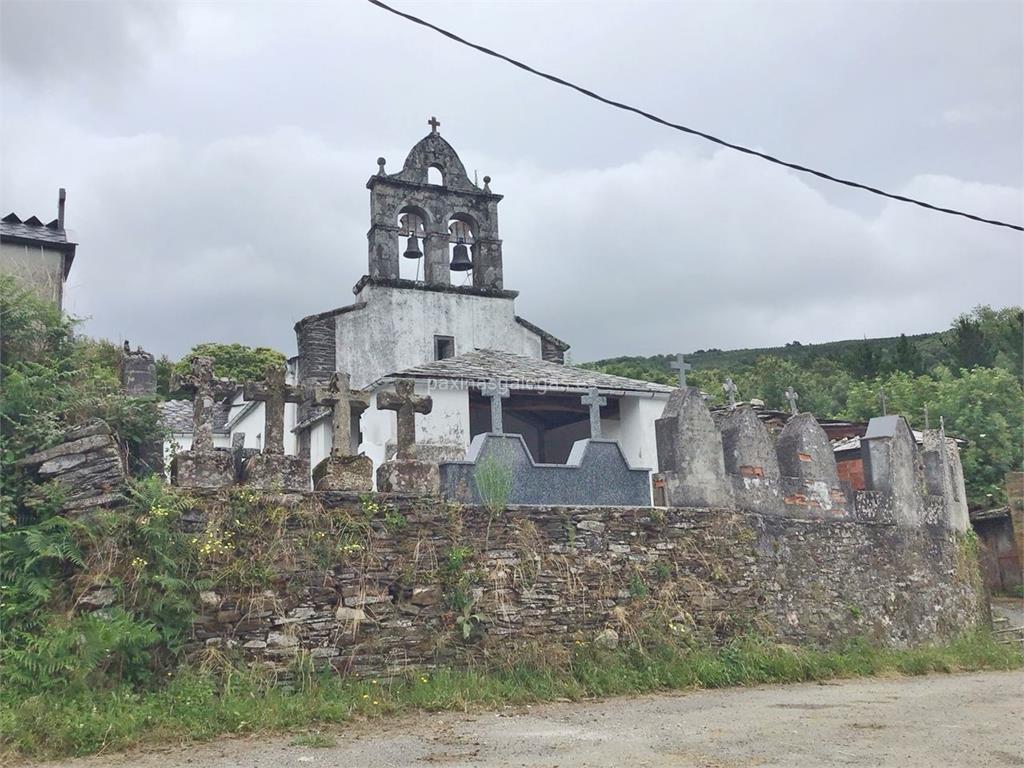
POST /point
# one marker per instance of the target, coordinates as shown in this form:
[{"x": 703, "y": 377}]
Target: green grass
[{"x": 196, "y": 705}]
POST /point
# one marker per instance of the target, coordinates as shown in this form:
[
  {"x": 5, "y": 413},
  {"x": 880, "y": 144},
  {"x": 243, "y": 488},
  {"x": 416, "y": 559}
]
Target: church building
[{"x": 452, "y": 330}]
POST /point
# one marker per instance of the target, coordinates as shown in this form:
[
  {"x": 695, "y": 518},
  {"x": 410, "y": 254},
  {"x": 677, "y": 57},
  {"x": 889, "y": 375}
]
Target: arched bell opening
[
  {"x": 435, "y": 175},
  {"x": 412, "y": 230},
  {"x": 462, "y": 233}
]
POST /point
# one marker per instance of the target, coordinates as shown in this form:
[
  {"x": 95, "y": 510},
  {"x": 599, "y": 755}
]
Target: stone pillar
[
  {"x": 690, "y": 457},
  {"x": 892, "y": 466},
  {"x": 810, "y": 480},
  {"x": 436, "y": 269},
  {"x": 487, "y": 268},
  {"x": 751, "y": 462},
  {"x": 383, "y": 251},
  {"x": 138, "y": 373}
]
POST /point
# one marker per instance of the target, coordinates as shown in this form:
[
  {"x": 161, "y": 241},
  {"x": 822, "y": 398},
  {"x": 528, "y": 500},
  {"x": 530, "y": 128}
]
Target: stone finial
[
  {"x": 792, "y": 396},
  {"x": 690, "y": 457},
  {"x": 495, "y": 390},
  {"x": 804, "y": 451},
  {"x": 893, "y": 466},
  {"x": 680, "y": 364},
  {"x": 487, "y": 184},
  {"x": 274, "y": 392},
  {"x": 342, "y": 399},
  {"x": 730, "y": 391},
  {"x": 595, "y": 401},
  {"x": 406, "y": 404},
  {"x": 380, "y": 166}
]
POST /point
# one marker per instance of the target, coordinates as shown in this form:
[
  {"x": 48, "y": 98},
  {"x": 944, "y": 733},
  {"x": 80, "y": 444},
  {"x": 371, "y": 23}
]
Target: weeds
[{"x": 198, "y": 705}]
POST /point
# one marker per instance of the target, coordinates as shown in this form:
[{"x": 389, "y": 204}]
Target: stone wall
[{"x": 376, "y": 587}]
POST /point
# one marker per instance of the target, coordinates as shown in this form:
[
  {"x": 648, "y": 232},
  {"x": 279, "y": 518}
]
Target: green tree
[
  {"x": 967, "y": 344},
  {"x": 906, "y": 357},
  {"x": 233, "y": 361}
]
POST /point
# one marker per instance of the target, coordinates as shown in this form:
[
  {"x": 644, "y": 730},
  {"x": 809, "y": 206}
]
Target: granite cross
[
  {"x": 406, "y": 404},
  {"x": 495, "y": 390},
  {"x": 274, "y": 392},
  {"x": 434, "y": 124},
  {"x": 201, "y": 382},
  {"x": 342, "y": 400},
  {"x": 882, "y": 399},
  {"x": 595, "y": 402},
  {"x": 792, "y": 396},
  {"x": 682, "y": 366},
  {"x": 927, "y": 424},
  {"x": 730, "y": 390}
]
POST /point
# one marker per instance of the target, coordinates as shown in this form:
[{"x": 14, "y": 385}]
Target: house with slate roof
[{"x": 38, "y": 255}]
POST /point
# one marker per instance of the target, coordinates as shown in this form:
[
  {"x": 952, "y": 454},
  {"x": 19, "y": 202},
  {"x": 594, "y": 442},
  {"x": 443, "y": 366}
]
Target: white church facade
[{"x": 449, "y": 336}]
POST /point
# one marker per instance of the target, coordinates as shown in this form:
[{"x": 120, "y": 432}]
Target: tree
[
  {"x": 906, "y": 357},
  {"x": 967, "y": 344},
  {"x": 864, "y": 362},
  {"x": 233, "y": 361}
]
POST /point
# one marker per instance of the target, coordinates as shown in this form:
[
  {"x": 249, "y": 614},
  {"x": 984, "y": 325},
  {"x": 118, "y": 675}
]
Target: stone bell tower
[{"x": 455, "y": 220}]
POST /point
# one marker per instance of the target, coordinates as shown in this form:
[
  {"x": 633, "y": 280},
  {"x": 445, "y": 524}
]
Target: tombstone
[
  {"x": 938, "y": 477},
  {"x": 730, "y": 392},
  {"x": 341, "y": 470},
  {"x": 271, "y": 469},
  {"x": 690, "y": 460},
  {"x": 892, "y": 467},
  {"x": 202, "y": 466},
  {"x": 750, "y": 462},
  {"x": 680, "y": 364},
  {"x": 810, "y": 481},
  {"x": 405, "y": 473}
]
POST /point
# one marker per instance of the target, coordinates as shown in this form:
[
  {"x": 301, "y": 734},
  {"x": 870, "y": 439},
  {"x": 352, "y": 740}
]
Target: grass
[{"x": 195, "y": 705}]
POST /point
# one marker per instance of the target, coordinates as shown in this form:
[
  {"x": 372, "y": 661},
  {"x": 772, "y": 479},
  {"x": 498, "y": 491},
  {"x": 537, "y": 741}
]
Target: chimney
[{"x": 61, "y": 197}]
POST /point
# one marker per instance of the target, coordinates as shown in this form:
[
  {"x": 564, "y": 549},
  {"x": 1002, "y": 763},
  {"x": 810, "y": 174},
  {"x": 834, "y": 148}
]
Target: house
[{"x": 37, "y": 255}]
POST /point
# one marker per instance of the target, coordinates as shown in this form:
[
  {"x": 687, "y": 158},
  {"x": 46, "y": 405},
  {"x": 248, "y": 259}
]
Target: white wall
[
  {"x": 35, "y": 267},
  {"x": 636, "y": 429},
  {"x": 253, "y": 423},
  {"x": 396, "y": 329},
  {"x": 180, "y": 442}
]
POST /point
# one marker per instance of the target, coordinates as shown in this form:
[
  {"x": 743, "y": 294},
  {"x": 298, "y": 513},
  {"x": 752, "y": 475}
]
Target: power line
[{"x": 692, "y": 131}]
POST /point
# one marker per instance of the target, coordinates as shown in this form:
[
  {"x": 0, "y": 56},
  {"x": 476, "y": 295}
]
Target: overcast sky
[{"x": 216, "y": 156}]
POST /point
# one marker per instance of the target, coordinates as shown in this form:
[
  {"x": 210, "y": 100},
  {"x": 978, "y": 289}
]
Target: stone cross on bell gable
[
  {"x": 200, "y": 380},
  {"x": 341, "y": 399},
  {"x": 495, "y": 390},
  {"x": 792, "y": 397},
  {"x": 730, "y": 391},
  {"x": 680, "y": 364},
  {"x": 273, "y": 392},
  {"x": 595, "y": 401},
  {"x": 406, "y": 404},
  {"x": 434, "y": 124}
]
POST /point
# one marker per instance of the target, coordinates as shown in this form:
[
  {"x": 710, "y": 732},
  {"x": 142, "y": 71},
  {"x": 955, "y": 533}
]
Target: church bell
[
  {"x": 412, "y": 249},
  {"x": 460, "y": 258}
]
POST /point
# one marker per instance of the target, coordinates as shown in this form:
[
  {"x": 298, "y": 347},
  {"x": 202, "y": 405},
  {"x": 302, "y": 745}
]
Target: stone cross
[
  {"x": 434, "y": 124},
  {"x": 595, "y": 402},
  {"x": 882, "y": 399},
  {"x": 730, "y": 390},
  {"x": 792, "y": 397},
  {"x": 495, "y": 390},
  {"x": 274, "y": 392},
  {"x": 682, "y": 366},
  {"x": 406, "y": 404},
  {"x": 927, "y": 424},
  {"x": 341, "y": 399},
  {"x": 201, "y": 382}
]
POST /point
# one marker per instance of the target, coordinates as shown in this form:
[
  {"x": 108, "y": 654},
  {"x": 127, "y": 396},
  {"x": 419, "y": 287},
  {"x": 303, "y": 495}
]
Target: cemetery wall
[{"x": 373, "y": 586}]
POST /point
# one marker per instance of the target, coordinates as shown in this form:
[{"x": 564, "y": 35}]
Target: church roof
[{"x": 521, "y": 372}]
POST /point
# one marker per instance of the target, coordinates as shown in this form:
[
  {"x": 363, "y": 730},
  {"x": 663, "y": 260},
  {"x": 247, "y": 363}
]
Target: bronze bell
[
  {"x": 412, "y": 249},
  {"x": 460, "y": 258}
]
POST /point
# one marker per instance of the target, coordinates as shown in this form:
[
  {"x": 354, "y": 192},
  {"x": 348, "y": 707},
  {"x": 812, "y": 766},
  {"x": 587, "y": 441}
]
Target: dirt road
[{"x": 954, "y": 720}]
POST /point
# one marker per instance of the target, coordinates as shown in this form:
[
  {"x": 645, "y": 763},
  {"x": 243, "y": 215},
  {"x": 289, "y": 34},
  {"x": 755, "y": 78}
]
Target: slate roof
[
  {"x": 525, "y": 373},
  {"x": 176, "y": 416}
]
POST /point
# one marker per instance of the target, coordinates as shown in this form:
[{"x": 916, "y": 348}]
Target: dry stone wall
[{"x": 374, "y": 587}]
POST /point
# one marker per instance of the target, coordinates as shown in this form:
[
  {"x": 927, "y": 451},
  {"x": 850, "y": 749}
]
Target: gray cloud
[{"x": 220, "y": 195}]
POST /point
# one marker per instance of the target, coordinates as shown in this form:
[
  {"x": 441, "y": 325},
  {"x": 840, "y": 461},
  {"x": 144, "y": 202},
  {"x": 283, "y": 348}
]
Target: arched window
[
  {"x": 435, "y": 175},
  {"x": 411, "y": 232}
]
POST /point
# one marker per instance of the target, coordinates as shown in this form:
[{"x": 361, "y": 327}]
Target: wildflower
[
  {"x": 374, "y": 682},
  {"x": 423, "y": 679},
  {"x": 138, "y": 563},
  {"x": 375, "y": 702},
  {"x": 366, "y": 695}
]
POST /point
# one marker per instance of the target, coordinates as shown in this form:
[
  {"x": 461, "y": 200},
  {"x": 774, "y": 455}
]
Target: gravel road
[{"x": 931, "y": 722}]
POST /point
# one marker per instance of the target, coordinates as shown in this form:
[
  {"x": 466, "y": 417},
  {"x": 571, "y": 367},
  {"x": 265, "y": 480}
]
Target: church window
[
  {"x": 444, "y": 347},
  {"x": 435, "y": 176}
]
